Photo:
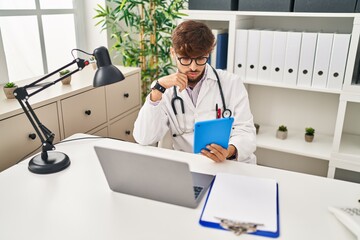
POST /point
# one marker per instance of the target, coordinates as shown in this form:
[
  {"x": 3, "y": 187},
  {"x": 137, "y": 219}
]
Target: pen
[{"x": 218, "y": 111}]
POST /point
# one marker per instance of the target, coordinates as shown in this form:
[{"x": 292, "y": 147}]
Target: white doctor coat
[{"x": 153, "y": 122}]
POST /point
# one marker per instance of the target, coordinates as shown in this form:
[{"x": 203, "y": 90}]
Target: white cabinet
[
  {"x": 69, "y": 109},
  {"x": 18, "y": 137},
  {"x": 84, "y": 112},
  {"x": 334, "y": 113}
]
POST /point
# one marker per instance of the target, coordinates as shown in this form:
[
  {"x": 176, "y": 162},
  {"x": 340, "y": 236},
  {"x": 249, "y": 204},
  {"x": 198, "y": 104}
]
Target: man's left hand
[{"x": 218, "y": 153}]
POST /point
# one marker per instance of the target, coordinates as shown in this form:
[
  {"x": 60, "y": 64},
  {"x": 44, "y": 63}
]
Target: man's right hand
[{"x": 175, "y": 79}]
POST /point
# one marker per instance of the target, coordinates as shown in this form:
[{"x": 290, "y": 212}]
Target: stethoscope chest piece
[{"x": 226, "y": 113}]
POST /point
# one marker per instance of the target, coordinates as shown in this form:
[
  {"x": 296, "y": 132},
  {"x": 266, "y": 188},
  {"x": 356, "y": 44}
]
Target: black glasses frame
[{"x": 192, "y": 59}]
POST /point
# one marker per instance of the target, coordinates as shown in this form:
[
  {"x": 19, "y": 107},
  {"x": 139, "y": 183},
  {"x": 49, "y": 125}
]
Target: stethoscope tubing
[{"x": 226, "y": 112}]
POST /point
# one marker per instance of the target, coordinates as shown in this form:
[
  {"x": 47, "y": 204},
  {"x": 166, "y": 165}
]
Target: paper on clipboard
[{"x": 243, "y": 199}]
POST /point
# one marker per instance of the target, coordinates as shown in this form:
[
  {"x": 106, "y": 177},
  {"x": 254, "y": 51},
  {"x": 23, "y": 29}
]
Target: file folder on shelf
[
  {"x": 221, "y": 50},
  {"x": 213, "y": 55},
  {"x": 292, "y": 56},
  {"x": 306, "y": 61},
  {"x": 338, "y": 58},
  {"x": 322, "y": 60},
  {"x": 278, "y": 56},
  {"x": 243, "y": 199},
  {"x": 252, "y": 62},
  {"x": 265, "y": 55},
  {"x": 240, "y": 52}
]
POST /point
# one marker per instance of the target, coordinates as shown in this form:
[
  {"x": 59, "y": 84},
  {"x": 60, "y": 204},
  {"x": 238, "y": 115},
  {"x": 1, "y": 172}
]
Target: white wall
[{"x": 94, "y": 37}]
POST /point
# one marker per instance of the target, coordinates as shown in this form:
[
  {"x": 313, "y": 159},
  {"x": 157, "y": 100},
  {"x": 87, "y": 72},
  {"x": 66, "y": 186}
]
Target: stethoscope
[{"x": 225, "y": 114}]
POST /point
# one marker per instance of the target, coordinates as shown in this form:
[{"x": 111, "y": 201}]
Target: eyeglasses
[{"x": 186, "y": 61}]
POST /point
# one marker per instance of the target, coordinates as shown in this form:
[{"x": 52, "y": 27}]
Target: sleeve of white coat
[
  {"x": 243, "y": 135},
  {"x": 151, "y": 124}
]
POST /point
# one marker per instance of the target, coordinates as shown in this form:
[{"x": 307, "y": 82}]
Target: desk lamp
[{"x": 50, "y": 161}]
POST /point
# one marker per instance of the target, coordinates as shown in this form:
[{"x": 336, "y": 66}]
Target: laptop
[{"x": 152, "y": 177}]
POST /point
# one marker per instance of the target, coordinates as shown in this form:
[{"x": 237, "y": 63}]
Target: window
[{"x": 36, "y": 37}]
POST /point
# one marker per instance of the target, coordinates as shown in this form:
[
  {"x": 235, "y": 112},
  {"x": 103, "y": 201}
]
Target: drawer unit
[
  {"x": 84, "y": 112},
  {"x": 123, "y": 96},
  {"x": 15, "y": 141},
  {"x": 123, "y": 128},
  {"x": 103, "y": 132}
]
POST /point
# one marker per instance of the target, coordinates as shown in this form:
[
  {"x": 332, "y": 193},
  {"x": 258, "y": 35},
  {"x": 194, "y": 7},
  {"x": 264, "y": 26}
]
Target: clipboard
[
  {"x": 243, "y": 199},
  {"x": 212, "y": 131}
]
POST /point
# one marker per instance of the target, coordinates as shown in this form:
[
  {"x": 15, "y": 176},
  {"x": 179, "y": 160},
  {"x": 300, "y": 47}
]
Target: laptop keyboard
[{"x": 197, "y": 191}]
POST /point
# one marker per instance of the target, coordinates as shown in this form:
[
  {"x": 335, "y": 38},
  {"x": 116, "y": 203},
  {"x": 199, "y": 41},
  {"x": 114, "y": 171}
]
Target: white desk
[{"x": 78, "y": 204}]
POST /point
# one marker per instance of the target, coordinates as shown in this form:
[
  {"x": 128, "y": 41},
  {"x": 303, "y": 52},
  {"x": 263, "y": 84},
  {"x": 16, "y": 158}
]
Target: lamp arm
[
  {"x": 21, "y": 94},
  {"x": 45, "y": 135},
  {"x": 81, "y": 64}
]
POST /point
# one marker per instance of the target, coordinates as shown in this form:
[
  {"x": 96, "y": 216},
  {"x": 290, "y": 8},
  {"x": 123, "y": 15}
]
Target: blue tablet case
[{"x": 212, "y": 131}]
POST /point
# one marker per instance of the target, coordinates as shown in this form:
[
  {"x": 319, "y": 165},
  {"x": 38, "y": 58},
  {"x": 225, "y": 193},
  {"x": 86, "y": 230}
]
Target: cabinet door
[
  {"x": 123, "y": 128},
  {"x": 84, "y": 112},
  {"x": 15, "y": 141},
  {"x": 101, "y": 133},
  {"x": 123, "y": 96}
]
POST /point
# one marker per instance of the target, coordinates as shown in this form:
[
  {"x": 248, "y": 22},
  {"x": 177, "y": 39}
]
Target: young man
[{"x": 193, "y": 94}]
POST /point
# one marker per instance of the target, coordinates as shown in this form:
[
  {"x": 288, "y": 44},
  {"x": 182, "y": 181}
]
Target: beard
[{"x": 194, "y": 80}]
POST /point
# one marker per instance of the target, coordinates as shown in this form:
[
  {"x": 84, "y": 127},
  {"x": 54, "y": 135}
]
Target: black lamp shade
[{"x": 106, "y": 72}]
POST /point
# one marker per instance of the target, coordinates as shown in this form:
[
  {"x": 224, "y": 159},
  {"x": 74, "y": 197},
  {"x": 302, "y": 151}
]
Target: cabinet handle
[
  {"x": 88, "y": 112},
  {"x": 127, "y": 132},
  {"x": 32, "y": 136},
  {"x": 126, "y": 95}
]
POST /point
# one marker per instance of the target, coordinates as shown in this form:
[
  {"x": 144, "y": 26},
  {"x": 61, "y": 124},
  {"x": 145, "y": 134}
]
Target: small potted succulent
[
  {"x": 9, "y": 90},
  {"x": 66, "y": 80},
  {"x": 281, "y": 133},
  {"x": 93, "y": 62},
  {"x": 309, "y": 134}
]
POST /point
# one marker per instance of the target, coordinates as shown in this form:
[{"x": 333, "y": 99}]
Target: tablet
[{"x": 212, "y": 131}]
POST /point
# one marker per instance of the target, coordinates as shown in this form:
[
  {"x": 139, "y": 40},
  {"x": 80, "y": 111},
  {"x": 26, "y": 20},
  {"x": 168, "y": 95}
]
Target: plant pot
[
  {"x": 66, "y": 81},
  {"x": 309, "y": 138},
  {"x": 281, "y": 135},
  {"x": 9, "y": 92},
  {"x": 94, "y": 66}
]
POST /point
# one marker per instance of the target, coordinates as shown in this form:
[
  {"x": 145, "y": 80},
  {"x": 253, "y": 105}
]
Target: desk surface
[{"x": 78, "y": 204}]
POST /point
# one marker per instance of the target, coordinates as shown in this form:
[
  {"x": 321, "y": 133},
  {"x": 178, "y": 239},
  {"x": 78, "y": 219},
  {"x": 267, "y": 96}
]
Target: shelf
[
  {"x": 350, "y": 144},
  {"x": 295, "y": 143},
  {"x": 282, "y": 85},
  {"x": 215, "y": 14}
]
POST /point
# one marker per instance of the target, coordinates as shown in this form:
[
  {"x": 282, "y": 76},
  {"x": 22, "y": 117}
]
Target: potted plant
[
  {"x": 257, "y": 126},
  {"x": 309, "y": 134},
  {"x": 141, "y": 31},
  {"x": 9, "y": 90},
  {"x": 93, "y": 62},
  {"x": 66, "y": 80},
  {"x": 282, "y": 131}
]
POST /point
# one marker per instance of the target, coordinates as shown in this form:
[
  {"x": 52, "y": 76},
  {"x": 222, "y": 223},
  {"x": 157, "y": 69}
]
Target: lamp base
[{"x": 56, "y": 162}]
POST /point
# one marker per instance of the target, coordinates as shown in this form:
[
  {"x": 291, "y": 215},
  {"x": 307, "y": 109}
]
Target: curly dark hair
[{"x": 193, "y": 39}]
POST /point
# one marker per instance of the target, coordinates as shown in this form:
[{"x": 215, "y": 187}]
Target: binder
[
  {"x": 265, "y": 54},
  {"x": 338, "y": 59},
  {"x": 292, "y": 55},
  {"x": 240, "y": 52},
  {"x": 243, "y": 199},
  {"x": 306, "y": 61},
  {"x": 213, "y": 55},
  {"x": 278, "y": 56},
  {"x": 221, "y": 50},
  {"x": 322, "y": 60},
  {"x": 252, "y": 62}
]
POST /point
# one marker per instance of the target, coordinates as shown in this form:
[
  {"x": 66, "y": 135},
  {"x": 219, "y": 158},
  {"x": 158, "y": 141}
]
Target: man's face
[{"x": 192, "y": 66}]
